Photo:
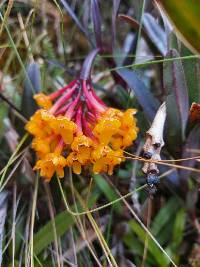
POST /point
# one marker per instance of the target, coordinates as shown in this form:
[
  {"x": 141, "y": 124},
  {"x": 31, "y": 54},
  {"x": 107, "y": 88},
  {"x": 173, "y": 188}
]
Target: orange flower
[
  {"x": 116, "y": 142},
  {"x": 76, "y": 123},
  {"x": 81, "y": 141},
  {"x": 63, "y": 126},
  {"x": 43, "y": 101},
  {"x": 59, "y": 125},
  {"x": 50, "y": 164},
  {"x": 105, "y": 129},
  {"x": 41, "y": 146},
  {"x": 82, "y": 147},
  {"x": 37, "y": 126},
  {"x": 127, "y": 119},
  {"x": 73, "y": 161},
  {"x": 105, "y": 159}
]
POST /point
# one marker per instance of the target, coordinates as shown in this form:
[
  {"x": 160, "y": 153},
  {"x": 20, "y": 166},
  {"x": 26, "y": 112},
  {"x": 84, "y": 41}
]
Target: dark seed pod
[
  {"x": 147, "y": 155},
  {"x": 157, "y": 145},
  {"x": 152, "y": 179}
]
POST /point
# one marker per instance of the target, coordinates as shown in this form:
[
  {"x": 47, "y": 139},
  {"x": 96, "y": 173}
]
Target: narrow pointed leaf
[
  {"x": 96, "y": 18},
  {"x": 3, "y": 213},
  {"x": 177, "y": 98},
  {"x": 87, "y": 64},
  {"x": 160, "y": 259},
  {"x": 178, "y": 231},
  {"x": 31, "y": 87},
  {"x": 116, "y": 4},
  {"x": 135, "y": 24},
  {"x": 63, "y": 221},
  {"x": 192, "y": 74},
  {"x": 46, "y": 234},
  {"x": 192, "y": 142},
  {"x": 150, "y": 35},
  {"x": 155, "y": 33},
  {"x": 108, "y": 191},
  {"x": 142, "y": 93},
  {"x": 76, "y": 20},
  {"x": 161, "y": 221}
]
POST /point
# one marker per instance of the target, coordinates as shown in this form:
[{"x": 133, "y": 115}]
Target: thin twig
[
  {"x": 11, "y": 105},
  {"x": 143, "y": 226},
  {"x": 25, "y": 36},
  {"x": 7, "y": 13},
  {"x": 146, "y": 236},
  {"x": 52, "y": 216},
  {"x": 34, "y": 201}
]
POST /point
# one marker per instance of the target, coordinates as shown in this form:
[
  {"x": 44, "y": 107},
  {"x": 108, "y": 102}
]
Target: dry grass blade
[
  {"x": 121, "y": 198},
  {"x": 7, "y": 13},
  {"x": 12, "y": 172},
  {"x": 14, "y": 223},
  {"x": 51, "y": 212},
  {"x": 108, "y": 253},
  {"x": 11, "y": 158},
  {"x": 143, "y": 226},
  {"x": 24, "y": 33},
  {"x": 3, "y": 213},
  {"x": 163, "y": 162},
  {"x": 101, "y": 239},
  {"x": 82, "y": 243},
  {"x": 32, "y": 222},
  {"x": 147, "y": 237}
]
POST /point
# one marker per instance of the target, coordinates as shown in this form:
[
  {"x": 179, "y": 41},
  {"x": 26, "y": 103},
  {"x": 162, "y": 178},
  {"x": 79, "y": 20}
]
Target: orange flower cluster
[{"x": 74, "y": 128}]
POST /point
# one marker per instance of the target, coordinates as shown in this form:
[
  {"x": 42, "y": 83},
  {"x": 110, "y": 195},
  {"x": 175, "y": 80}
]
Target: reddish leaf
[
  {"x": 194, "y": 115},
  {"x": 151, "y": 31},
  {"x": 133, "y": 23},
  {"x": 76, "y": 20},
  {"x": 192, "y": 142},
  {"x": 96, "y": 18},
  {"x": 116, "y": 4},
  {"x": 177, "y": 98},
  {"x": 87, "y": 65}
]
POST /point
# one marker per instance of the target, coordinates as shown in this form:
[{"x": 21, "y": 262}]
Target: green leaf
[
  {"x": 3, "y": 114},
  {"x": 46, "y": 234},
  {"x": 63, "y": 221},
  {"x": 185, "y": 16},
  {"x": 178, "y": 229},
  {"x": 159, "y": 258},
  {"x": 16, "y": 264},
  {"x": 108, "y": 191},
  {"x": 165, "y": 215},
  {"x": 192, "y": 74},
  {"x": 135, "y": 245}
]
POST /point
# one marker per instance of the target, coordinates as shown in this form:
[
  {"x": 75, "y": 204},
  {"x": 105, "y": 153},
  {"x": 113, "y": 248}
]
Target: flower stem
[
  {"x": 62, "y": 110},
  {"x": 87, "y": 130},
  {"x": 91, "y": 100},
  {"x": 69, "y": 113},
  {"x": 62, "y": 90},
  {"x": 62, "y": 100},
  {"x": 78, "y": 119}
]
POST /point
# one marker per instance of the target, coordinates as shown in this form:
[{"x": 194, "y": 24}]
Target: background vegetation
[{"x": 43, "y": 44}]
